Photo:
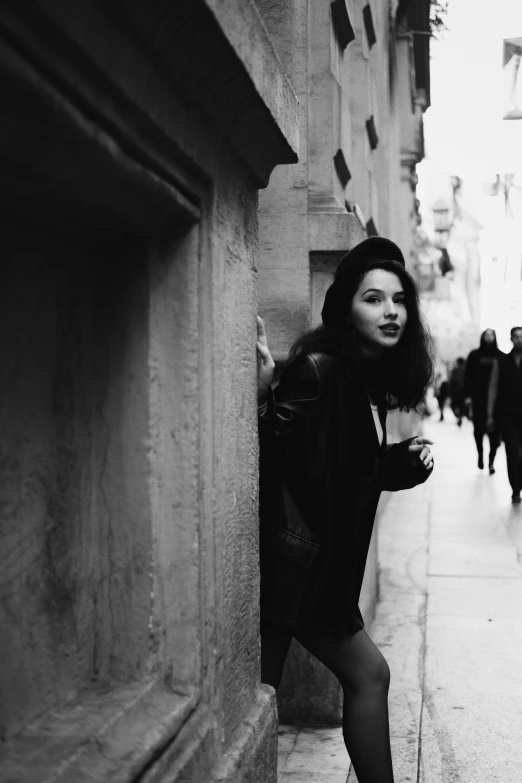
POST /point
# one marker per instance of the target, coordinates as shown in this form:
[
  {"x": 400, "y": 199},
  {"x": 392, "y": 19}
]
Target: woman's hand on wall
[
  {"x": 420, "y": 453},
  {"x": 265, "y": 363}
]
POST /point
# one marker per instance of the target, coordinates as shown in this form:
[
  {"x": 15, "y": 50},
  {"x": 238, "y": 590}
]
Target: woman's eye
[
  {"x": 399, "y": 301},
  {"x": 372, "y": 299}
]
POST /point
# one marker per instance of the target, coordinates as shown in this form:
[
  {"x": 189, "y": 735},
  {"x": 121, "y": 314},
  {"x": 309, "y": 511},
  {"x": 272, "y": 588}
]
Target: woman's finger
[
  {"x": 422, "y": 441},
  {"x": 419, "y": 450},
  {"x": 263, "y": 351},
  {"x": 261, "y": 332}
]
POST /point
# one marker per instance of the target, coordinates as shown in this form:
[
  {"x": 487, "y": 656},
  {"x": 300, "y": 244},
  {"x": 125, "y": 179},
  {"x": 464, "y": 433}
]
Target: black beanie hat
[{"x": 351, "y": 265}]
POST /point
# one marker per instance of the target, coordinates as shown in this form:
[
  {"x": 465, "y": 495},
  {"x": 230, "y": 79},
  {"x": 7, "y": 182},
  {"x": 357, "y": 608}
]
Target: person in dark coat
[
  {"x": 456, "y": 389},
  {"x": 479, "y": 366},
  {"x": 505, "y": 404},
  {"x": 324, "y": 462}
]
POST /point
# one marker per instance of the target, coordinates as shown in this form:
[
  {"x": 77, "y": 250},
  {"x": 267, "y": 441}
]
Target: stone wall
[{"x": 129, "y": 566}]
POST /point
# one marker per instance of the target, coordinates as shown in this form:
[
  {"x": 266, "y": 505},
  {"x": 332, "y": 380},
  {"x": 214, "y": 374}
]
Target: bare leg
[{"x": 365, "y": 677}]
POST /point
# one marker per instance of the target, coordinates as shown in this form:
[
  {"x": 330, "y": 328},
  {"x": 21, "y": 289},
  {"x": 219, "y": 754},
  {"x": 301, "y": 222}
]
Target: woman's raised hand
[
  {"x": 420, "y": 453},
  {"x": 265, "y": 363}
]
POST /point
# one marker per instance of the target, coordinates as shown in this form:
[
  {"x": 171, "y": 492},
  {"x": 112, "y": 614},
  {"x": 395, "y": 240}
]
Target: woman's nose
[{"x": 391, "y": 310}]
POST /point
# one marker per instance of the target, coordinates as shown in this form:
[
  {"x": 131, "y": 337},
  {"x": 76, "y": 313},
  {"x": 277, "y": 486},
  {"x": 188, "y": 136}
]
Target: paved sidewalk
[{"x": 450, "y": 625}]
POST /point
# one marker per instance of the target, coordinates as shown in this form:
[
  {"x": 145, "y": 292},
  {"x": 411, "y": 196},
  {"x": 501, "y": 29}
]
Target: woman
[
  {"x": 324, "y": 462},
  {"x": 479, "y": 366}
]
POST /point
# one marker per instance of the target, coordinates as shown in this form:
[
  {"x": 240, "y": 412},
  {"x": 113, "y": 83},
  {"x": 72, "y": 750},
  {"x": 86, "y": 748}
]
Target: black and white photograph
[{"x": 261, "y": 391}]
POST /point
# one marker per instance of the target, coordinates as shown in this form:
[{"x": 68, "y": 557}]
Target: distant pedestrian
[
  {"x": 479, "y": 366},
  {"x": 505, "y": 402},
  {"x": 441, "y": 391},
  {"x": 456, "y": 390},
  {"x": 324, "y": 462}
]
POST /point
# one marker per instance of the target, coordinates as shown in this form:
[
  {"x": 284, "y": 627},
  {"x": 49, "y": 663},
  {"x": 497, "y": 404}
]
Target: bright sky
[
  {"x": 466, "y": 135},
  {"x": 464, "y": 130}
]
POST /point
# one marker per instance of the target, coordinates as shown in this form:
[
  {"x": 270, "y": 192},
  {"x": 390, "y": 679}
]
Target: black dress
[{"x": 322, "y": 472}]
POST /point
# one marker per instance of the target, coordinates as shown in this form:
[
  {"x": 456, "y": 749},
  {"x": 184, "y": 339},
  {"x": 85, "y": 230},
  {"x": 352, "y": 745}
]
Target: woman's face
[
  {"x": 378, "y": 312},
  {"x": 489, "y": 336}
]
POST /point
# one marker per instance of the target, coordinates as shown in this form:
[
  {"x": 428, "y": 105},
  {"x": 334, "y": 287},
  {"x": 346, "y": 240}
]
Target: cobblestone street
[{"x": 449, "y": 622}]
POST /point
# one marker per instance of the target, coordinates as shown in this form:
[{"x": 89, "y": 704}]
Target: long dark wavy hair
[
  {"x": 400, "y": 378},
  {"x": 491, "y": 348}
]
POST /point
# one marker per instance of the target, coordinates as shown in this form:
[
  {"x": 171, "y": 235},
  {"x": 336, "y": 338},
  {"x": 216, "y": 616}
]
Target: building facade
[
  {"x": 450, "y": 264},
  {"x": 135, "y": 137},
  {"x": 361, "y": 72}
]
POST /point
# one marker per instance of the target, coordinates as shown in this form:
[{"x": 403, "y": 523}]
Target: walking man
[{"x": 505, "y": 401}]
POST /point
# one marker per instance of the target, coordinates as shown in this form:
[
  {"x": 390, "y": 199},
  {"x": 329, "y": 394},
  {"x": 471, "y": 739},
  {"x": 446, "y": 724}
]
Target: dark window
[
  {"x": 372, "y": 133},
  {"x": 368, "y": 25},
  {"x": 371, "y": 228},
  {"x": 341, "y": 167},
  {"x": 445, "y": 264},
  {"x": 419, "y": 23},
  {"x": 341, "y": 23}
]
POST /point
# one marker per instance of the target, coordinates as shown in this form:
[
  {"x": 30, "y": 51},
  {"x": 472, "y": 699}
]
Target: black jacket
[
  {"x": 322, "y": 472},
  {"x": 506, "y": 387},
  {"x": 479, "y": 366}
]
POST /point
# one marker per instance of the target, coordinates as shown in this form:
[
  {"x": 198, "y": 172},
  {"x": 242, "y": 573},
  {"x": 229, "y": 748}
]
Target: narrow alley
[
  {"x": 231, "y": 230},
  {"x": 449, "y": 622}
]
